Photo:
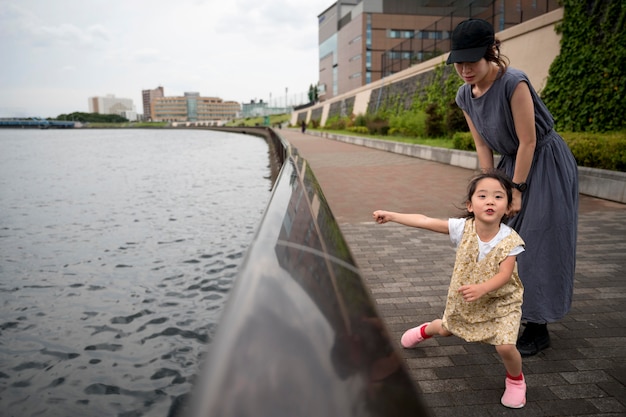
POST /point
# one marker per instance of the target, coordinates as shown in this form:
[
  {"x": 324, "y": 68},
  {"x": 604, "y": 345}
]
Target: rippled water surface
[{"x": 117, "y": 250}]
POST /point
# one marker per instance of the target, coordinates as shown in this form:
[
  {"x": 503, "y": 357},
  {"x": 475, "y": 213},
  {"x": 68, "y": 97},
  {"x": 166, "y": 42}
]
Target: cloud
[
  {"x": 69, "y": 35},
  {"x": 232, "y": 49},
  {"x": 29, "y": 27},
  {"x": 147, "y": 56}
]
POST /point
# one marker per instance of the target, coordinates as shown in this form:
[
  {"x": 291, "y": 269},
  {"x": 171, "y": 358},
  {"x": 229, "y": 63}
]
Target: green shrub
[
  {"x": 591, "y": 150},
  {"x": 463, "y": 141},
  {"x": 434, "y": 121},
  {"x": 359, "y": 129},
  {"x": 454, "y": 119},
  {"x": 360, "y": 120},
  {"x": 411, "y": 124},
  {"x": 336, "y": 123},
  {"x": 586, "y": 86},
  {"x": 378, "y": 125},
  {"x": 605, "y": 151}
]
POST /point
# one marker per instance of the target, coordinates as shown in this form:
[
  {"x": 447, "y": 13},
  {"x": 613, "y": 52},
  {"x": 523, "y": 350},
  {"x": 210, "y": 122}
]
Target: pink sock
[
  {"x": 423, "y": 332},
  {"x": 515, "y": 378}
]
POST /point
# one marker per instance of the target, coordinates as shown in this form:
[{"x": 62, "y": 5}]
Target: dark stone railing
[{"x": 300, "y": 334}]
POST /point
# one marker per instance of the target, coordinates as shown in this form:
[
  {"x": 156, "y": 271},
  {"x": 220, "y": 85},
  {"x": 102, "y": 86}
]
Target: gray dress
[{"x": 548, "y": 219}]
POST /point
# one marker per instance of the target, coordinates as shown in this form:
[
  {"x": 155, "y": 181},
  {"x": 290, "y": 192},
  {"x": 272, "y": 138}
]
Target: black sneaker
[{"x": 534, "y": 339}]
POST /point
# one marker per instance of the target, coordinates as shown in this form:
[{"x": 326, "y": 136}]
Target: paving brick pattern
[{"x": 407, "y": 270}]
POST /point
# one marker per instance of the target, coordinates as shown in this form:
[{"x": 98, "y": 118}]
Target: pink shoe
[
  {"x": 515, "y": 393},
  {"x": 413, "y": 336}
]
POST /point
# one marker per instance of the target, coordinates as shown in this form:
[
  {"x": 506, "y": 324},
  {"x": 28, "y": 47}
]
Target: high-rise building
[
  {"x": 147, "y": 97},
  {"x": 192, "y": 107},
  {"x": 111, "y": 105},
  {"x": 362, "y": 41}
]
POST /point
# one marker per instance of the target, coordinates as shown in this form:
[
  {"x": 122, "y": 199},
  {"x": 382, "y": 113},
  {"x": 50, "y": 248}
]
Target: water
[{"x": 117, "y": 251}]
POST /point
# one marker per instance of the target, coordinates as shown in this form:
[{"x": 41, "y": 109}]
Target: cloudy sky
[{"x": 56, "y": 54}]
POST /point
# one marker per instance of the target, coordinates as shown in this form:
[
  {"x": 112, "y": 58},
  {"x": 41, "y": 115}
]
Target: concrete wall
[{"x": 530, "y": 46}]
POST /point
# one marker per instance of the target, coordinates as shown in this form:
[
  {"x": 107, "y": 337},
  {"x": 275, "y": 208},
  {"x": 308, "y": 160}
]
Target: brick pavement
[{"x": 407, "y": 270}]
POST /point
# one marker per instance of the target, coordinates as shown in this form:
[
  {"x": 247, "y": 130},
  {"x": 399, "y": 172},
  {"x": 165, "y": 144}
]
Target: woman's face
[{"x": 473, "y": 72}]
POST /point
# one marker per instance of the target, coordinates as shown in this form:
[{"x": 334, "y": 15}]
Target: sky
[{"x": 54, "y": 55}]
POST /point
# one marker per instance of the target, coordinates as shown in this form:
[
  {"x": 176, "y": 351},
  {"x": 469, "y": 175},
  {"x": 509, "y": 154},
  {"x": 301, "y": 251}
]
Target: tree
[
  {"x": 92, "y": 117},
  {"x": 313, "y": 94}
]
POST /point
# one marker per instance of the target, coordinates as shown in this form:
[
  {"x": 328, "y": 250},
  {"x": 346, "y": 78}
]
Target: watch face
[{"x": 521, "y": 186}]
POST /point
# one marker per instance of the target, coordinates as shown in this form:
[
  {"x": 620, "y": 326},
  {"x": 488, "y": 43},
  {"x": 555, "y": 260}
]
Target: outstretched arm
[
  {"x": 474, "y": 291},
  {"x": 414, "y": 220}
]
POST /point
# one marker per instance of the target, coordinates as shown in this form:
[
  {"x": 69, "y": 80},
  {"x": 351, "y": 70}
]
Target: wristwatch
[{"x": 522, "y": 186}]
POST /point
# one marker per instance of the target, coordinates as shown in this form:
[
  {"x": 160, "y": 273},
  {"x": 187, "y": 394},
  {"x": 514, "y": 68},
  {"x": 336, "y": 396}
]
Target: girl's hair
[
  {"x": 498, "y": 175},
  {"x": 493, "y": 55}
]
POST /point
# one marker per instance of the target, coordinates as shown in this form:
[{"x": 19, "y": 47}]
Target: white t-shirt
[{"x": 456, "y": 226}]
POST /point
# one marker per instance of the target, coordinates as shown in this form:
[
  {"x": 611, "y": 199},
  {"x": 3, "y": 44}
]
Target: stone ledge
[{"x": 600, "y": 183}]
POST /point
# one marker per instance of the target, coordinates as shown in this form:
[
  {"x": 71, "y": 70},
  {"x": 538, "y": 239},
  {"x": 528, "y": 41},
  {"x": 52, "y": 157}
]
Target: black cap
[{"x": 470, "y": 41}]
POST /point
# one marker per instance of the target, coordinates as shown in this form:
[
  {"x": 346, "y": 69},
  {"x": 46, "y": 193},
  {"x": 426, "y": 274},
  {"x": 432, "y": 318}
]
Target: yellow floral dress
[{"x": 495, "y": 317}]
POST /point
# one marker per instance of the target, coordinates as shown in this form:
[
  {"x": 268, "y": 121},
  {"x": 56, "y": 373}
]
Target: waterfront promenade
[{"x": 407, "y": 271}]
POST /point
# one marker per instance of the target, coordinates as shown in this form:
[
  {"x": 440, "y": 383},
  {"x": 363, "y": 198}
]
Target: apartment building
[
  {"x": 192, "y": 107},
  {"x": 362, "y": 41},
  {"x": 147, "y": 97},
  {"x": 110, "y": 104}
]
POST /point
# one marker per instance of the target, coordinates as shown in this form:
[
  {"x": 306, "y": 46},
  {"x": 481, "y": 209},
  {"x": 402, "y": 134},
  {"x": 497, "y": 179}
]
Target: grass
[
  {"x": 434, "y": 142},
  {"x": 260, "y": 121}
]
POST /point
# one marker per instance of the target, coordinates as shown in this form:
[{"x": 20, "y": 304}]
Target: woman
[{"x": 506, "y": 115}]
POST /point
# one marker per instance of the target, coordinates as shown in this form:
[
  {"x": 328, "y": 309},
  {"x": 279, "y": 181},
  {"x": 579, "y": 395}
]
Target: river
[{"x": 117, "y": 252}]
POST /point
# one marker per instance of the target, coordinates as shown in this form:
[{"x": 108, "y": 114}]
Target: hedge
[{"x": 591, "y": 150}]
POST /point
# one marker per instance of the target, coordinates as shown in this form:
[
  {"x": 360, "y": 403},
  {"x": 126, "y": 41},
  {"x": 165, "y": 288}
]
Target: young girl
[{"x": 485, "y": 295}]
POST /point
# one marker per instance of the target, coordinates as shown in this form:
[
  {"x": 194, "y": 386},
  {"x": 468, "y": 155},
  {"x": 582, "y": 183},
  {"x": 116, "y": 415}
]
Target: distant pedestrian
[
  {"x": 303, "y": 126},
  {"x": 506, "y": 115},
  {"x": 484, "y": 301}
]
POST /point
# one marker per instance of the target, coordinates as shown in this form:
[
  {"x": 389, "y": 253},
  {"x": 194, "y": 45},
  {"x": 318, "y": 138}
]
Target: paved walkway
[{"x": 407, "y": 270}]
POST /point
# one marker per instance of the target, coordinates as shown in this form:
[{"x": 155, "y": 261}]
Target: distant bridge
[{"x": 36, "y": 123}]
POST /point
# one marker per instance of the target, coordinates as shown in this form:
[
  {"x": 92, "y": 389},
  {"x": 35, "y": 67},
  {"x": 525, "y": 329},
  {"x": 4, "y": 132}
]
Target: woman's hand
[{"x": 516, "y": 204}]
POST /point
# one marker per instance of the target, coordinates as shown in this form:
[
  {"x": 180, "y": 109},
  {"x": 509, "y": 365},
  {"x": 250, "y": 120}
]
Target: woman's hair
[
  {"x": 498, "y": 175},
  {"x": 493, "y": 55}
]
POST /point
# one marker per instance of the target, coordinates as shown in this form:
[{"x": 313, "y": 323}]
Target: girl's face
[
  {"x": 489, "y": 202},
  {"x": 473, "y": 72}
]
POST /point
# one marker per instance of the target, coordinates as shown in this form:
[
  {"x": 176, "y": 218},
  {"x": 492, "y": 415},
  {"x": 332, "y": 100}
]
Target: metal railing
[{"x": 300, "y": 334}]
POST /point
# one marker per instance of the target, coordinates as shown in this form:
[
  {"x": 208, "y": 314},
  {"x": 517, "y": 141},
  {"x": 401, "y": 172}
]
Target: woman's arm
[
  {"x": 483, "y": 151},
  {"x": 414, "y": 220},
  {"x": 475, "y": 291},
  {"x": 523, "y": 111}
]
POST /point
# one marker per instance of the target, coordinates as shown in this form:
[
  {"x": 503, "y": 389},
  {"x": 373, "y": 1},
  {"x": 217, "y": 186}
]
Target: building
[
  {"x": 362, "y": 41},
  {"x": 111, "y": 105},
  {"x": 147, "y": 97},
  {"x": 261, "y": 108},
  {"x": 192, "y": 107},
  {"x": 130, "y": 115}
]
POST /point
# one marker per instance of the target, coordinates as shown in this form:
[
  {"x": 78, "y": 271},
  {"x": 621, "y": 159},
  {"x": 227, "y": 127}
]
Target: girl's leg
[
  {"x": 436, "y": 328},
  {"x": 515, "y": 393},
  {"x": 424, "y": 331},
  {"x": 511, "y": 358}
]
